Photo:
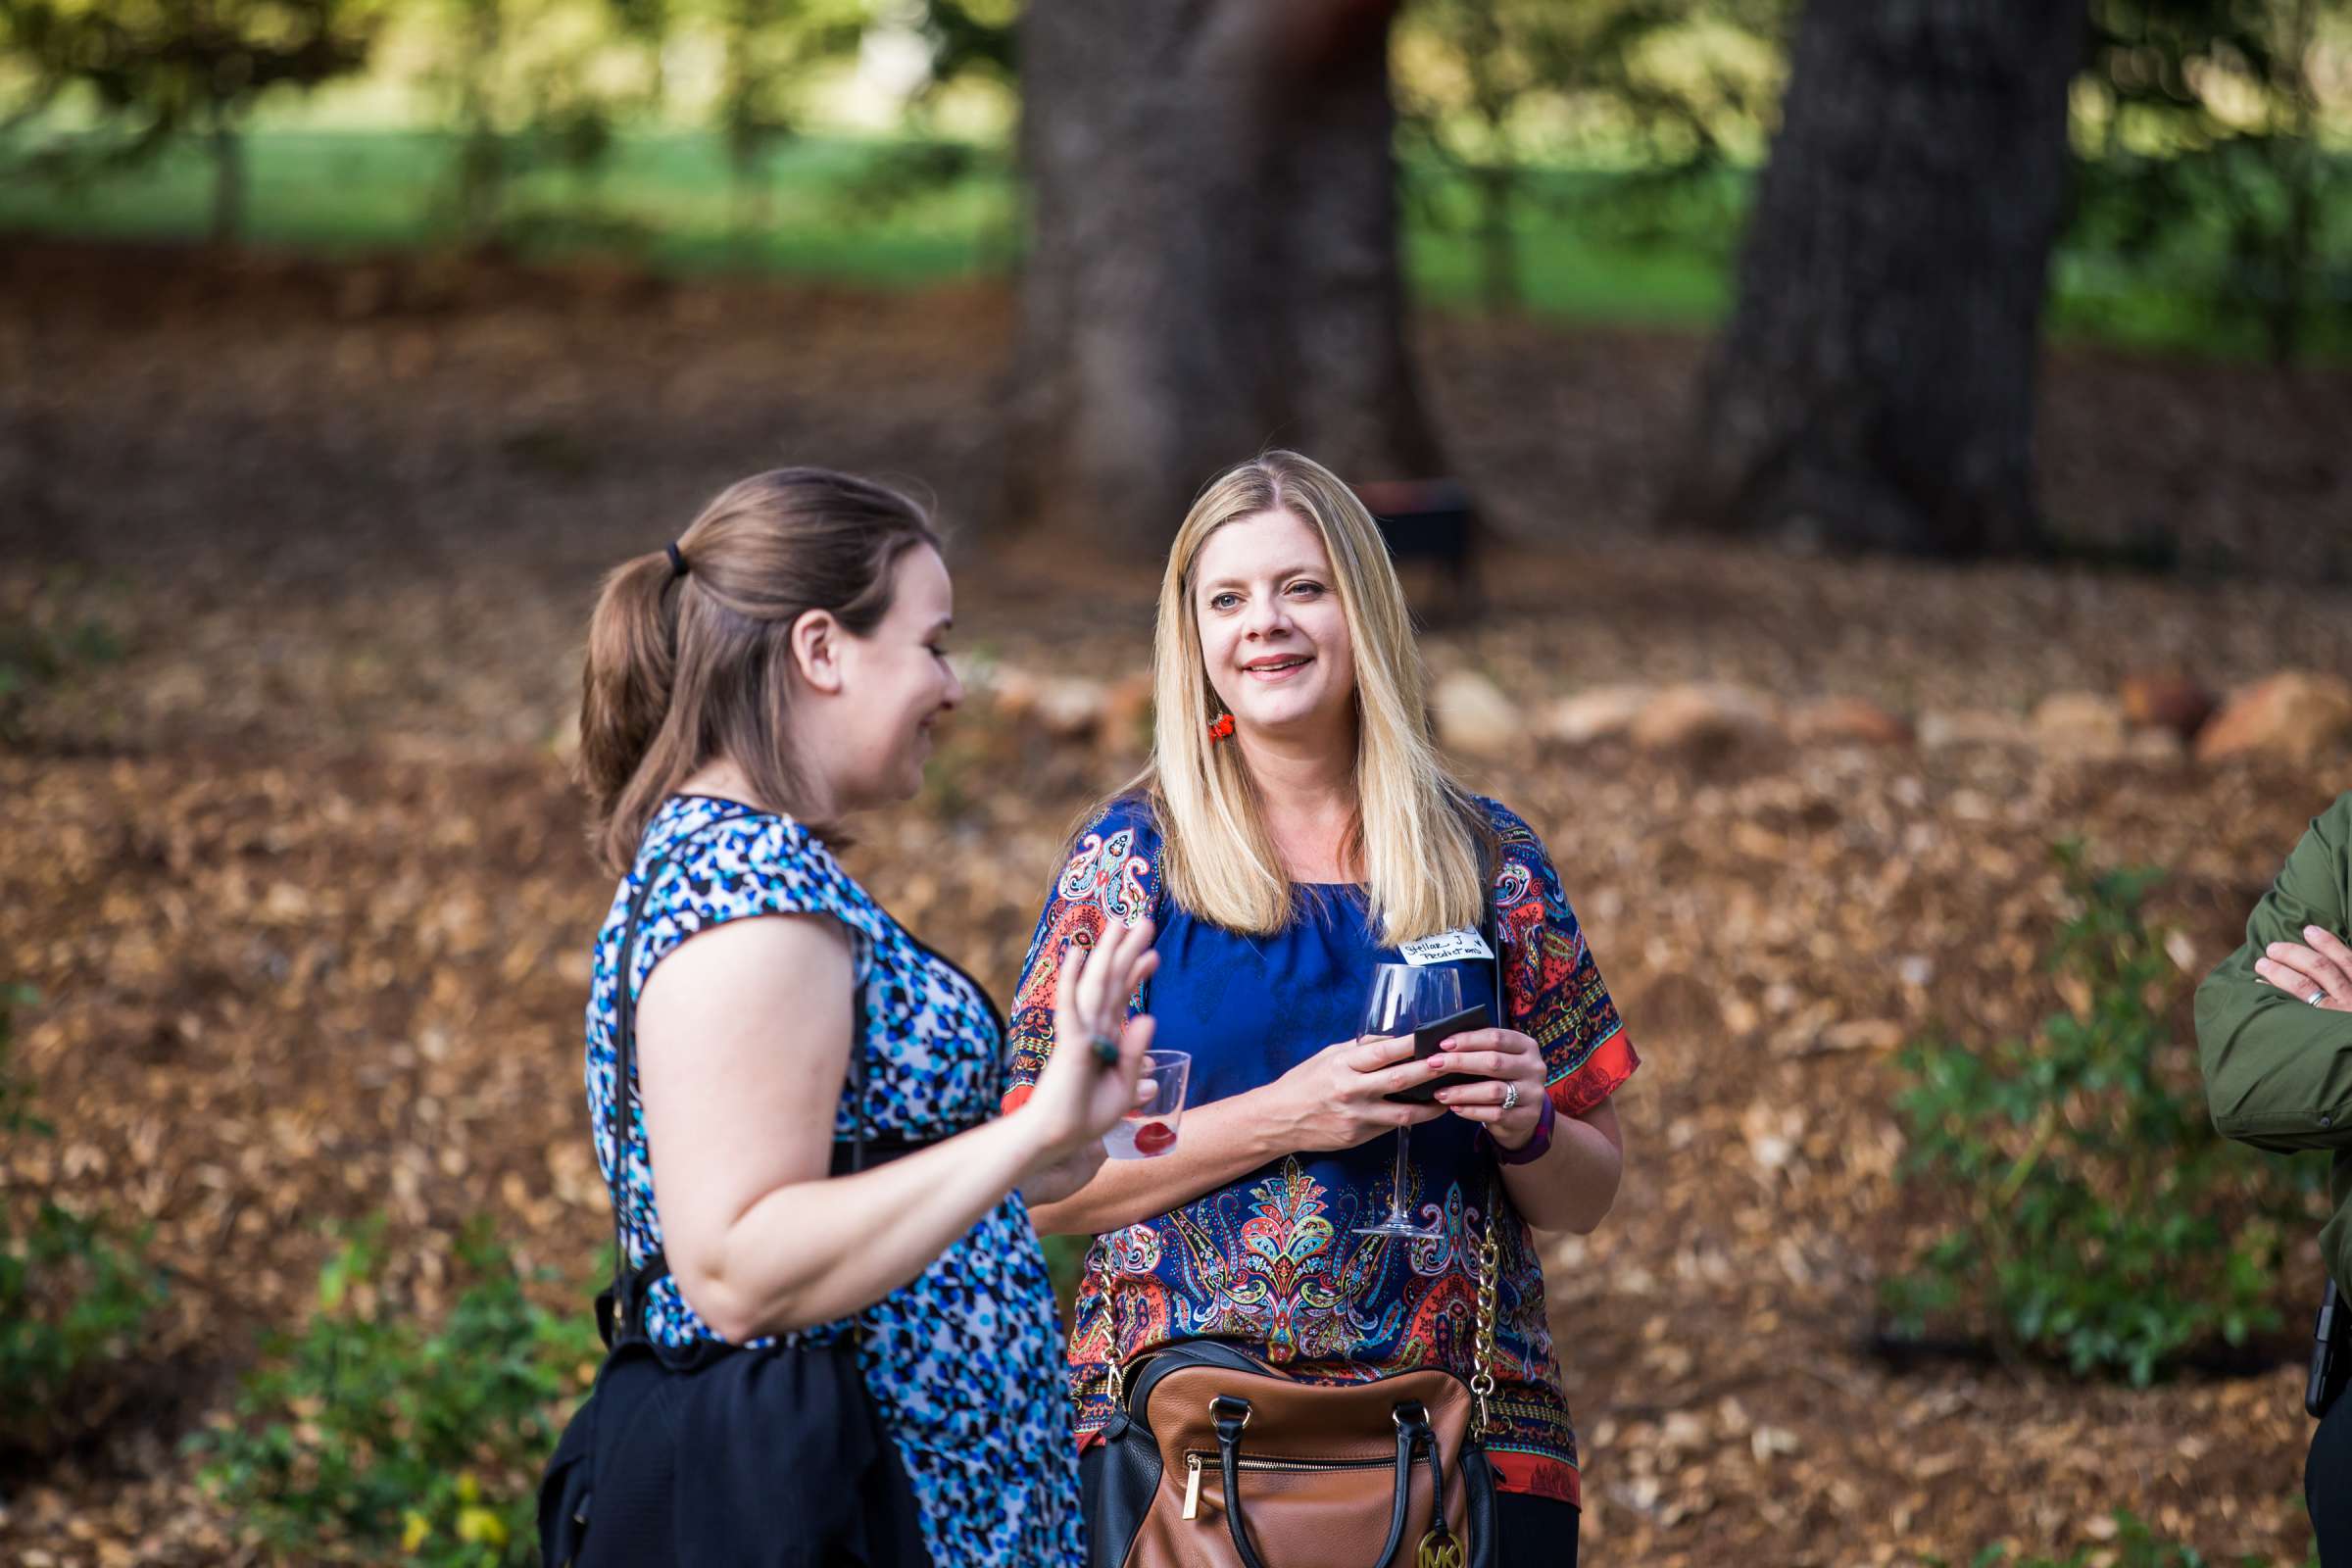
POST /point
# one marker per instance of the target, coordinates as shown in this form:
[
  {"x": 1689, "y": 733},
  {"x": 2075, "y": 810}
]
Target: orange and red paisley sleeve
[
  {"x": 1552, "y": 988},
  {"x": 1109, "y": 876}
]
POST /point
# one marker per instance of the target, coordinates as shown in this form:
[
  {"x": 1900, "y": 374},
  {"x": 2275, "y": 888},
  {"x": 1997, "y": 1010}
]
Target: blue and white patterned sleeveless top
[{"x": 965, "y": 1361}]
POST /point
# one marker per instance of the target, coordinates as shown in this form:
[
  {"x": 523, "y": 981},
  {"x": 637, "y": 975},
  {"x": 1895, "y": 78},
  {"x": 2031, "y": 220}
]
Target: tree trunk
[
  {"x": 228, "y": 183},
  {"x": 739, "y": 94},
  {"x": 1497, "y": 246},
  {"x": 1495, "y": 178},
  {"x": 1212, "y": 265},
  {"x": 1874, "y": 388},
  {"x": 751, "y": 205},
  {"x": 481, "y": 147},
  {"x": 2297, "y": 158},
  {"x": 481, "y": 186}
]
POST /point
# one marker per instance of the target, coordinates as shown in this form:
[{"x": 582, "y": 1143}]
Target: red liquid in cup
[{"x": 1152, "y": 1137}]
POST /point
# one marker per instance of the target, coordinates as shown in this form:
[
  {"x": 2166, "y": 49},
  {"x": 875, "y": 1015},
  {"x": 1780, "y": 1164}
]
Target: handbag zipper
[{"x": 1194, "y": 1461}]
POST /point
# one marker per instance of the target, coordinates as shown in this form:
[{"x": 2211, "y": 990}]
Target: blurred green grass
[{"x": 1593, "y": 245}]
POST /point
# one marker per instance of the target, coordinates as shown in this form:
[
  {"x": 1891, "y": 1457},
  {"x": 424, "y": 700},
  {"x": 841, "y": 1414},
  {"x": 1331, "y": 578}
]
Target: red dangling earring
[{"x": 1220, "y": 728}]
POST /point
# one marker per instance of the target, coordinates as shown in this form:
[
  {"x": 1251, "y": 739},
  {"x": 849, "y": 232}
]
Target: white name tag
[{"x": 1446, "y": 947}]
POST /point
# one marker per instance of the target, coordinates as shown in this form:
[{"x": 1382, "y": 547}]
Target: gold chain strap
[
  {"x": 1114, "y": 1380},
  {"x": 1489, "y": 1265},
  {"x": 1439, "y": 1547}
]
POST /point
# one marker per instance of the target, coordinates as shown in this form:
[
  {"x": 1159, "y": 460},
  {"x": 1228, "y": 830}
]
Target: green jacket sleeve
[{"x": 2277, "y": 1071}]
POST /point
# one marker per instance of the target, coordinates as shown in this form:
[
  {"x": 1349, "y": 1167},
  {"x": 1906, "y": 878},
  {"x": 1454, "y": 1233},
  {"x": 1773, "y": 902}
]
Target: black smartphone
[
  {"x": 2331, "y": 1355},
  {"x": 1426, "y": 1041}
]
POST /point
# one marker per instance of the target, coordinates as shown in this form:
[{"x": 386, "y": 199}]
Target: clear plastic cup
[{"x": 1151, "y": 1127}]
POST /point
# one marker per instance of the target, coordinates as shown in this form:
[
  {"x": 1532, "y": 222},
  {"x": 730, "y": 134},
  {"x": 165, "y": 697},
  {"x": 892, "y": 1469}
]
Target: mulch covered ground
[{"x": 298, "y": 872}]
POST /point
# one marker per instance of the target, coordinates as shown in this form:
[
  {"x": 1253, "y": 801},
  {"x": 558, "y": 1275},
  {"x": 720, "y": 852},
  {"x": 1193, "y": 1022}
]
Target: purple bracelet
[{"x": 1530, "y": 1151}]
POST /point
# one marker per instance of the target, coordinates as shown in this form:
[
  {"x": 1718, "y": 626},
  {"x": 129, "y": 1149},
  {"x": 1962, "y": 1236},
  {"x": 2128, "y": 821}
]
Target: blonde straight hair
[{"x": 1420, "y": 845}]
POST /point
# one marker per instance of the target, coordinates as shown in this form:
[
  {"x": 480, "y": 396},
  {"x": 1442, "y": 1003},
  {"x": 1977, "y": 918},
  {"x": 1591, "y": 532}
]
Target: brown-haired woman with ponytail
[{"x": 810, "y": 1191}]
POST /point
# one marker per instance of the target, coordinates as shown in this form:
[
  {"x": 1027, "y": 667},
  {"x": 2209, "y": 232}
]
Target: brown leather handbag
[{"x": 1214, "y": 1459}]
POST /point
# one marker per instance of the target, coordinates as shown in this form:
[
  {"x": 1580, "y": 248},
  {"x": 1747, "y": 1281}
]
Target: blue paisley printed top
[
  {"x": 964, "y": 1361},
  {"x": 1270, "y": 1261}
]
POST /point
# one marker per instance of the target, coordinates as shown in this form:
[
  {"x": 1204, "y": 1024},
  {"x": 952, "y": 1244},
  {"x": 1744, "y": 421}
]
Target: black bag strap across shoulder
[{"x": 621, "y": 1309}]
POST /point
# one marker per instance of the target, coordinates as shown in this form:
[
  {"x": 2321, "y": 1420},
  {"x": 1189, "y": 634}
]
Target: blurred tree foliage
[
  {"x": 970, "y": 39},
  {"x": 527, "y": 85},
  {"x": 2197, "y": 113},
  {"x": 1677, "y": 92},
  {"x": 2211, "y": 182},
  {"x": 970, "y": 50},
  {"x": 152, "y": 70},
  {"x": 2191, "y": 115},
  {"x": 2203, "y": 128},
  {"x": 772, "y": 48}
]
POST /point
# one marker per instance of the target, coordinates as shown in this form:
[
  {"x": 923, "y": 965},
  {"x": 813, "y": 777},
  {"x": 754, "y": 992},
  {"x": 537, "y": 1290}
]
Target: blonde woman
[{"x": 1296, "y": 828}]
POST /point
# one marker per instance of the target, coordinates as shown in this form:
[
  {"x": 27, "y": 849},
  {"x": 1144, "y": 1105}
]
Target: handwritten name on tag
[{"x": 1446, "y": 947}]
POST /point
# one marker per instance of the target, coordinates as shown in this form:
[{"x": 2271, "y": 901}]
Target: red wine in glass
[{"x": 1402, "y": 998}]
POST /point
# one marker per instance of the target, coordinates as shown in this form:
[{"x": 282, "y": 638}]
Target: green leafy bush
[
  {"x": 2103, "y": 1222},
  {"x": 74, "y": 1297},
  {"x": 367, "y": 1439}
]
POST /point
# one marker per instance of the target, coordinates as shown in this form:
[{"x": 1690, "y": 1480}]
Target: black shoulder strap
[{"x": 622, "y": 1309}]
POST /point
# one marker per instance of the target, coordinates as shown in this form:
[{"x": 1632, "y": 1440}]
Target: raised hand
[{"x": 1079, "y": 1096}]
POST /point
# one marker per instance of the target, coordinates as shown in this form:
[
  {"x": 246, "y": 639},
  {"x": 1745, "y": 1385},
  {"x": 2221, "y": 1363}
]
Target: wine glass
[{"x": 1405, "y": 997}]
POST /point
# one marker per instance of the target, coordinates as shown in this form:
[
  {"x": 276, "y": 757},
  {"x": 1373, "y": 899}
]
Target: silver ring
[
  {"x": 1510, "y": 1095},
  {"x": 2316, "y": 998},
  {"x": 1106, "y": 1051}
]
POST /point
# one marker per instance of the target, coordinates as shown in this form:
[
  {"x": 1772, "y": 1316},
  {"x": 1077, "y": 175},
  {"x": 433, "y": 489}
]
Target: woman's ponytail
[
  {"x": 689, "y": 651},
  {"x": 625, "y": 688}
]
